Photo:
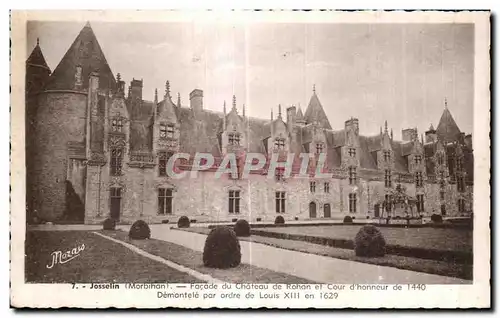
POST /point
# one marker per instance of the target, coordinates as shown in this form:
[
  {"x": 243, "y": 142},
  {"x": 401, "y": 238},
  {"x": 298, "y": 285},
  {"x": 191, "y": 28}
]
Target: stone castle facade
[{"x": 95, "y": 151}]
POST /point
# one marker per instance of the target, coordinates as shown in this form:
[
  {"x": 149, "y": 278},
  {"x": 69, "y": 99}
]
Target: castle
[{"x": 95, "y": 151}]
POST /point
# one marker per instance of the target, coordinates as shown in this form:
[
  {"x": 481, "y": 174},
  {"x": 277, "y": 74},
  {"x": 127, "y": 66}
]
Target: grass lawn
[
  {"x": 101, "y": 261},
  {"x": 181, "y": 255},
  {"x": 424, "y": 237},
  {"x": 410, "y": 263}
]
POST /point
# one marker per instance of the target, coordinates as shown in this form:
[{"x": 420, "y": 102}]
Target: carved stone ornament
[{"x": 117, "y": 141}]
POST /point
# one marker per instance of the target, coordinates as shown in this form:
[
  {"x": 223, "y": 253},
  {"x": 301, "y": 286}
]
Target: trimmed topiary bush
[
  {"x": 369, "y": 242},
  {"x": 164, "y": 221},
  {"x": 242, "y": 228},
  {"x": 109, "y": 224},
  {"x": 436, "y": 218},
  {"x": 279, "y": 220},
  {"x": 259, "y": 219},
  {"x": 347, "y": 219},
  {"x": 183, "y": 222},
  {"x": 139, "y": 230},
  {"x": 234, "y": 220},
  {"x": 222, "y": 248},
  {"x": 296, "y": 218}
]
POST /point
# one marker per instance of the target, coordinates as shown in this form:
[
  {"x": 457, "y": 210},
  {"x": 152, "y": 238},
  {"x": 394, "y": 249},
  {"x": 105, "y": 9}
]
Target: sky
[{"x": 401, "y": 73}]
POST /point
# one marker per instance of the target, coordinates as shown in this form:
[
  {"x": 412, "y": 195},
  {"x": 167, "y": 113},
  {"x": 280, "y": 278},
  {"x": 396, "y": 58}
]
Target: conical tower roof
[
  {"x": 300, "y": 115},
  {"x": 85, "y": 52},
  {"x": 36, "y": 58},
  {"x": 315, "y": 112},
  {"x": 447, "y": 129}
]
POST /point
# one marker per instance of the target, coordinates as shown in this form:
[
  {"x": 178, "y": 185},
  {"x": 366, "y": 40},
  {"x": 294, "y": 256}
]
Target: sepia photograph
[{"x": 294, "y": 153}]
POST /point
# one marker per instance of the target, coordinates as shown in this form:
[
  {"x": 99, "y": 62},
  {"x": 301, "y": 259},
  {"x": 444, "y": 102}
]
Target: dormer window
[
  {"x": 418, "y": 159},
  {"x": 234, "y": 139},
  {"x": 352, "y": 152},
  {"x": 319, "y": 148},
  {"x": 279, "y": 143},
  {"x": 167, "y": 131},
  {"x": 387, "y": 155},
  {"x": 117, "y": 125}
]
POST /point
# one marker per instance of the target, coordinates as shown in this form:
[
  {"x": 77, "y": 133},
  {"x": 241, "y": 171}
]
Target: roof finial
[
  {"x": 445, "y": 103},
  {"x": 118, "y": 77},
  {"x": 243, "y": 110},
  {"x": 385, "y": 130},
  {"x": 381, "y": 130},
  {"x": 279, "y": 110},
  {"x": 178, "y": 99},
  {"x": 37, "y": 41},
  {"x": 314, "y": 88},
  {"x": 234, "y": 101},
  {"x": 167, "y": 89}
]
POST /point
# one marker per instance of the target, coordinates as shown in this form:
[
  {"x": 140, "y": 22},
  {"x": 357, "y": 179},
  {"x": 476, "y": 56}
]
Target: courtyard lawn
[
  {"x": 244, "y": 273},
  {"x": 101, "y": 261},
  {"x": 442, "y": 268},
  {"x": 423, "y": 237}
]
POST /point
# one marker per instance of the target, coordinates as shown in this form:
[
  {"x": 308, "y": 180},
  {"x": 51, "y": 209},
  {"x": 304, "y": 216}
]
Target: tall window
[
  {"x": 440, "y": 159},
  {"x": 162, "y": 162},
  {"x": 387, "y": 179},
  {"x": 352, "y": 202},
  {"x": 117, "y": 125},
  {"x": 165, "y": 201},
  {"x": 388, "y": 202},
  {"x": 387, "y": 155},
  {"x": 327, "y": 187},
  {"x": 352, "y": 175},
  {"x": 319, "y": 148},
  {"x": 418, "y": 159},
  {"x": 419, "y": 181},
  {"x": 234, "y": 139},
  {"x": 234, "y": 201},
  {"x": 312, "y": 186},
  {"x": 352, "y": 152},
  {"x": 460, "y": 164},
  {"x": 461, "y": 184},
  {"x": 280, "y": 202},
  {"x": 420, "y": 203},
  {"x": 461, "y": 205},
  {"x": 441, "y": 194},
  {"x": 116, "y": 161},
  {"x": 279, "y": 143}
]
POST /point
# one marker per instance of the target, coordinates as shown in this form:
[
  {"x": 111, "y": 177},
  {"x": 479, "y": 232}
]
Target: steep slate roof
[
  {"x": 86, "y": 52},
  {"x": 447, "y": 128},
  {"x": 316, "y": 112},
  {"x": 365, "y": 158},
  {"x": 37, "y": 70},
  {"x": 400, "y": 161}
]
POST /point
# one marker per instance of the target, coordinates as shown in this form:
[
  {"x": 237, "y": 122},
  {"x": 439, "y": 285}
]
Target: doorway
[
  {"x": 327, "y": 210},
  {"x": 312, "y": 210}
]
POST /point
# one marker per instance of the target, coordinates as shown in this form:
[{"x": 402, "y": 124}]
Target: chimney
[
  {"x": 468, "y": 141},
  {"x": 136, "y": 89},
  {"x": 196, "y": 100},
  {"x": 352, "y": 124},
  {"x": 290, "y": 117},
  {"x": 430, "y": 135},
  {"x": 409, "y": 134}
]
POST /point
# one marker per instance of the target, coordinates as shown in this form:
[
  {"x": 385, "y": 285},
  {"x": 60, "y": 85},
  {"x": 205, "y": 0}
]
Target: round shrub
[
  {"x": 242, "y": 228},
  {"x": 164, "y": 221},
  {"x": 436, "y": 218},
  {"x": 222, "y": 248},
  {"x": 139, "y": 230},
  {"x": 183, "y": 222},
  {"x": 279, "y": 220},
  {"x": 109, "y": 224},
  {"x": 369, "y": 242},
  {"x": 347, "y": 219}
]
